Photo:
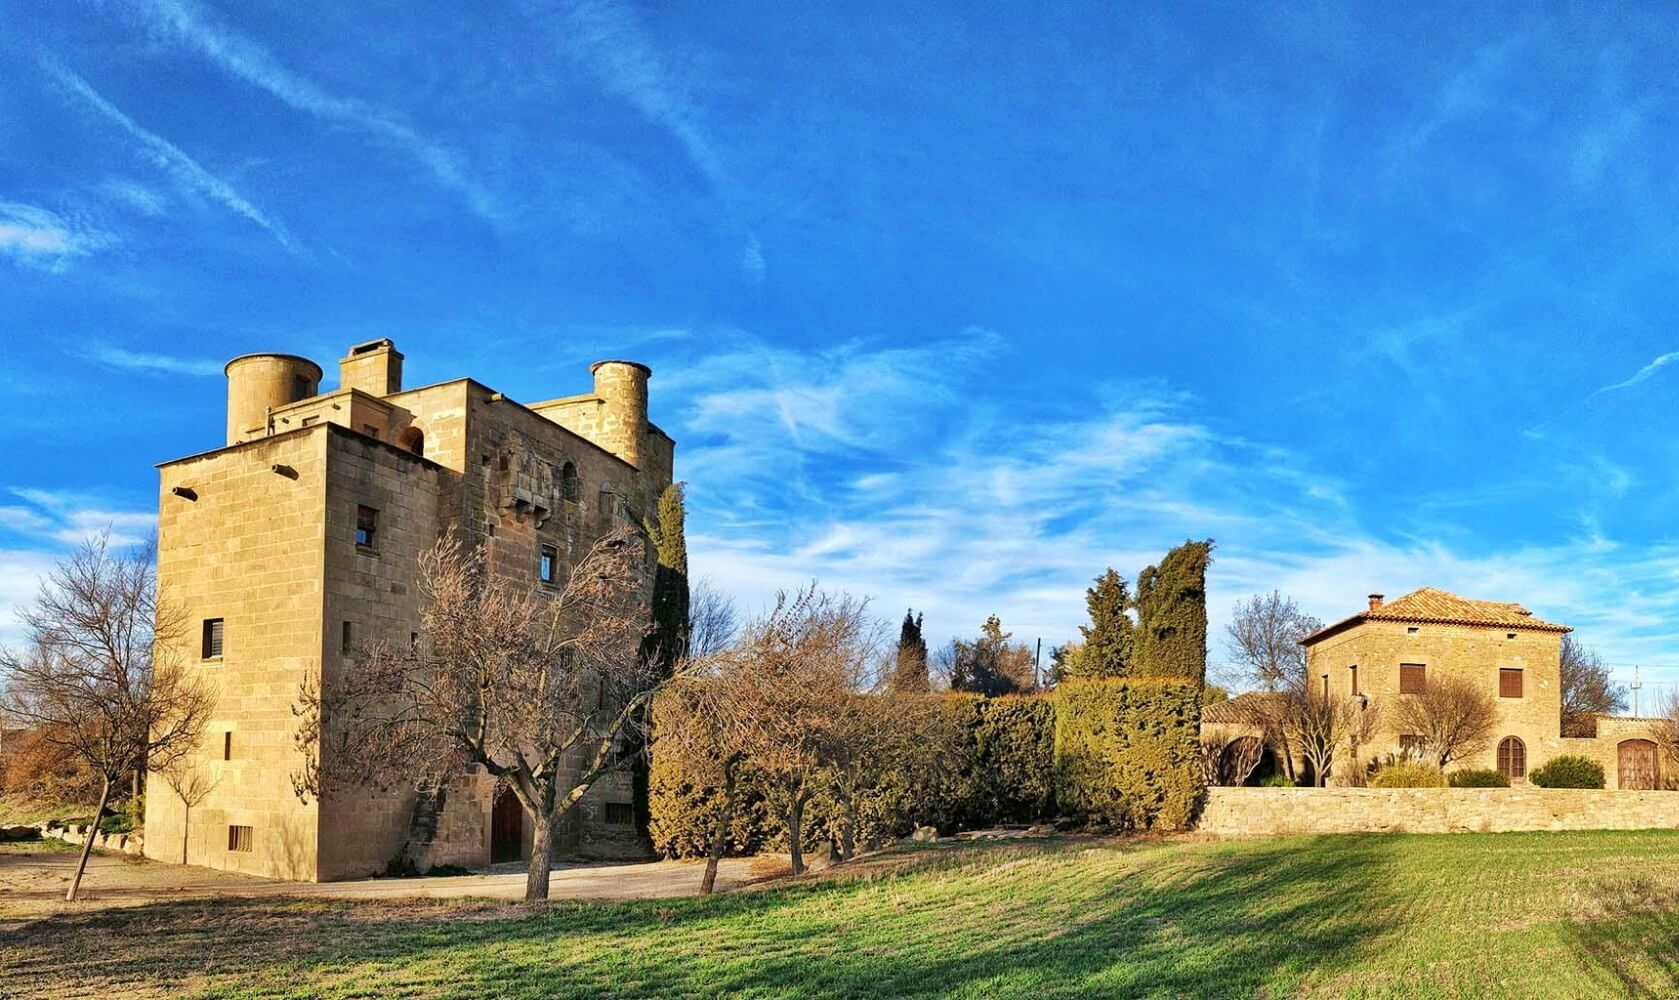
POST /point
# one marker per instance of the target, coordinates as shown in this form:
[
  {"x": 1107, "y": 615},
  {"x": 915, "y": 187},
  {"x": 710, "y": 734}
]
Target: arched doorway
[
  {"x": 507, "y": 827},
  {"x": 1512, "y": 758},
  {"x": 1637, "y": 764}
]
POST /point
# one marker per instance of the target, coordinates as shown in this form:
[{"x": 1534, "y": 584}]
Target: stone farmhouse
[
  {"x": 295, "y": 545},
  {"x": 1393, "y": 649}
]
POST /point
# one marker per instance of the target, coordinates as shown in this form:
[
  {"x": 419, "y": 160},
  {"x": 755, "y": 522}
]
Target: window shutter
[
  {"x": 1412, "y": 677},
  {"x": 1509, "y": 682}
]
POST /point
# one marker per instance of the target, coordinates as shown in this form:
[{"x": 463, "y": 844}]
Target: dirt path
[{"x": 32, "y": 883}]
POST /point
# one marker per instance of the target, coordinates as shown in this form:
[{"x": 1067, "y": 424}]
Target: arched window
[
  {"x": 569, "y": 489},
  {"x": 413, "y": 439},
  {"x": 1512, "y": 758}
]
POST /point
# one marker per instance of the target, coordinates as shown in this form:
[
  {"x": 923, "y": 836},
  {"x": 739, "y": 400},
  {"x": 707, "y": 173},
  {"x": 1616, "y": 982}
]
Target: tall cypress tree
[
  {"x": 667, "y": 640},
  {"x": 1171, "y": 639},
  {"x": 909, "y": 674},
  {"x": 1109, "y": 638}
]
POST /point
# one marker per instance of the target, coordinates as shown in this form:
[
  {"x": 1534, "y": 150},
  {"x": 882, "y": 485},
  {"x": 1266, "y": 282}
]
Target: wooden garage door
[{"x": 1638, "y": 764}]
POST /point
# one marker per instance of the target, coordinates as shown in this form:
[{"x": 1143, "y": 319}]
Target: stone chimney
[
  {"x": 374, "y": 367},
  {"x": 1375, "y": 602}
]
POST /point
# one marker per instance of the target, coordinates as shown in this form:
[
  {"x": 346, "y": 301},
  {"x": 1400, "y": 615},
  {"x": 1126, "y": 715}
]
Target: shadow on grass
[
  {"x": 1217, "y": 920},
  {"x": 1635, "y": 942}
]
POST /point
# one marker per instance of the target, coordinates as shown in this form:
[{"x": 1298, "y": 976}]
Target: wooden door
[
  {"x": 507, "y": 828},
  {"x": 1637, "y": 764}
]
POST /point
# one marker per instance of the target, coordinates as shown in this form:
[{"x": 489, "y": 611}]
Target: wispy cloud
[
  {"x": 249, "y": 61},
  {"x": 880, "y": 472},
  {"x": 141, "y": 361},
  {"x": 169, "y": 158},
  {"x": 69, "y": 518},
  {"x": 134, "y": 195},
  {"x": 39, "y": 237},
  {"x": 1656, "y": 364}
]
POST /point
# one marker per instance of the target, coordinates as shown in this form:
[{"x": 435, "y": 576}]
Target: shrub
[
  {"x": 1276, "y": 781},
  {"x": 1568, "y": 771},
  {"x": 117, "y": 823},
  {"x": 1014, "y": 760},
  {"x": 1477, "y": 777},
  {"x": 682, "y": 811},
  {"x": 1404, "y": 773},
  {"x": 1128, "y": 752}
]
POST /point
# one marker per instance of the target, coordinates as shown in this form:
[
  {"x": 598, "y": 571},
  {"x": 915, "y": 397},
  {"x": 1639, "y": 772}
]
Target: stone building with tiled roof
[{"x": 1394, "y": 650}]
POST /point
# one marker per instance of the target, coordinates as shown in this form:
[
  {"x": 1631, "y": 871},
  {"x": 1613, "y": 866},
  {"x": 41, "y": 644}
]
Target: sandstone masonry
[
  {"x": 295, "y": 546},
  {"x": 1265, "y": 811}
]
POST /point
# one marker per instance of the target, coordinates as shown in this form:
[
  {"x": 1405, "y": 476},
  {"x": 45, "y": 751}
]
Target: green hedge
[
  {"x": 682, "y": 811},
  {"x": 1478, "y": 777},
  {"x": 1568, "y": 771},
  {"x": 1127, "y": 752}
]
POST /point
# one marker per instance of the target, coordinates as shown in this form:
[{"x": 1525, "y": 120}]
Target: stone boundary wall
[
  {"x": 1241, "y": 812},
  {"x": 132, "y": 844}
]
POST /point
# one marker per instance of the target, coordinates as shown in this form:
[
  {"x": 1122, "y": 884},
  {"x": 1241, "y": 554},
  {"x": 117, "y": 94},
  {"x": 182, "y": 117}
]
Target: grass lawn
[{"x": 1468, "y": 915}]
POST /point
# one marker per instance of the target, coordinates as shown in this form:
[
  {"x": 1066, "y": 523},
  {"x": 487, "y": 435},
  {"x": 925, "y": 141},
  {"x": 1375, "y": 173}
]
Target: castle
[{"x": 296, "y": 544}]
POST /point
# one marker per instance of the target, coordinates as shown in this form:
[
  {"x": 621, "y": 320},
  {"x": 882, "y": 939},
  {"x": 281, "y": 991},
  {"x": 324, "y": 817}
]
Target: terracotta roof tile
[{"x": 1442, "y": 607}]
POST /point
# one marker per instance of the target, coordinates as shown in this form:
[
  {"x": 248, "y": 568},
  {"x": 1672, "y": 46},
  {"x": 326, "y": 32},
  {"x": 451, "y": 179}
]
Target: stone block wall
[{"x": 1265, "y": 811}]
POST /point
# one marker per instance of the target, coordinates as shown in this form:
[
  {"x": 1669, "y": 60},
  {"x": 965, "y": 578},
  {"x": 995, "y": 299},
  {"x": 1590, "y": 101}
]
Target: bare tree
[
  {"x": 192, "y": 785},
  {"x": 708, "y": 721},
  {"x": 1452, "y": 719},
  {"x": 537, "y": 689},
  {"x": 102, "y": 677},
  {"x": 1664, "y": 729},
  {"x": 713, "y": 621},
  {"x": 1264, "y": 635},
  {"x": 1586, "y": 690},
  {"x": 1322, "y": 725}
]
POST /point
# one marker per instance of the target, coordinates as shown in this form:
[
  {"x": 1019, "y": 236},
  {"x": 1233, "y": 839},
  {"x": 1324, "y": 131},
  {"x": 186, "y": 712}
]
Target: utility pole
[
  {"x": 1635, "y": 685},
  {"x": 1037, "y": 664}
]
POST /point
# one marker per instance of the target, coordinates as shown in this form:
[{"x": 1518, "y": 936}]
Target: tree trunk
[
  {"x": 848, "y": 832},
  {"x": 795, "y": 816},
  {"x": 536, "y": 876},
  {"x": 721, "y": 835},
  {"x": 186, "y": 818},
  {"x": 87, "y": 848}
]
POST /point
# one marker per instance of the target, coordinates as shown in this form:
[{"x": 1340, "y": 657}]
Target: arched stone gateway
[{"x": 1637, "y": 764}]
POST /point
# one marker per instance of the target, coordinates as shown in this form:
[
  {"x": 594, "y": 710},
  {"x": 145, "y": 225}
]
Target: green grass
[{"x": 1469, "y": 915}]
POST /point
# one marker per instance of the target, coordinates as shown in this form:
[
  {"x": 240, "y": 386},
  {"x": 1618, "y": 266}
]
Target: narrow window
[
  {"x": 1512, "y": 758},
  {"x": 239, "y": 838},
  {"x": 569, "y": 488},
  {"x": 212, "y": 640},
  {"x": 413, "y": 640},
  {"x": 227, "y": 745},
  {"x": 619, "y": 814},
  {"x": 1412, "y": 630},
  {"x": 545, "y": 566},
  {"x": 1352, "y": 672},
  {"x": 348, "y": 641},
  {"x": 1326, "y": 687},
  {"x": 1509, "y": 682},
  {"x": 367, "y": 527},
  {"x": 299, "y": 388},
  {"x": 1412, "y": 677}
]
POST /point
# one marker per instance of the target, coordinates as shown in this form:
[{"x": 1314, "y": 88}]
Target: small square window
[
  {"x": 211, "y": 644},
  {"x": 367, "y": 527},
  {"x": 239, "y": 838},
  {"x": 1509, "y": 635},
  {"x": 1412, "y": 678},
  {"x": 619, "y": 814},
  {"x": 347, "y": 641},
  {"x": 1412, "y": 630},
  {"x": 547, "y": 564}
]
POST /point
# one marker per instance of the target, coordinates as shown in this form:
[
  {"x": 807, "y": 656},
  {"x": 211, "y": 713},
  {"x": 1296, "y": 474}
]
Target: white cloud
[
  {"x": 117, "y": 357},
  {"x": 876, "y": 472},
  {"x": 71, "y": 518},
  {"x": 1656, "y": 364},
  {"x": 21, "y": 573},
  {"x": 249, "y": 61},
  {"x": 36, "y": 236},
  {"x": 169, "y": 158},
  {"x": 134, "y": 195}
]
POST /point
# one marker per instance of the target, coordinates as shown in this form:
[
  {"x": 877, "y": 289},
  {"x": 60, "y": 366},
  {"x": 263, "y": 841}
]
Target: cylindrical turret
[
  {"x": 257, "y": 383},
  {"x": 622, "y": 388}
]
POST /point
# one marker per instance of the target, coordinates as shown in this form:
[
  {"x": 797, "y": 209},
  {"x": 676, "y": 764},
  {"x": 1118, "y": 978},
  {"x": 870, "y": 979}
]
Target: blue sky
[{"x": 953, "y": 307}]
